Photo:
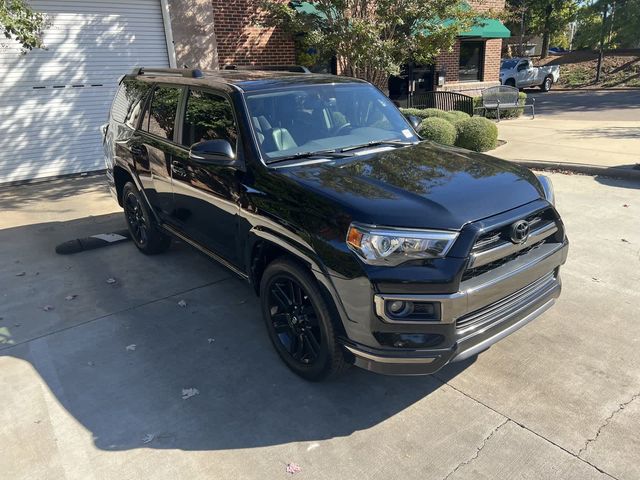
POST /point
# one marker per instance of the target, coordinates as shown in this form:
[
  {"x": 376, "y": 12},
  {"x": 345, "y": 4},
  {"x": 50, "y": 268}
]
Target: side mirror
[
  {"x": 212, "y": 152},
  {"x": 414, "y": 120}
]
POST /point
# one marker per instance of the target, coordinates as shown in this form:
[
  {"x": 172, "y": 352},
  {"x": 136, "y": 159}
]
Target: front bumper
[{"x": 485, "y": 310}]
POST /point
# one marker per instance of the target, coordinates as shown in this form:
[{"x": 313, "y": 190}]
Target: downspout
[{"x": 168, "y": 33}]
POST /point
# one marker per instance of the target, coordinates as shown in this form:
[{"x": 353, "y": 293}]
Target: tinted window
[
  {"x": 208, "y": 117},
  {"x": 291, "y": 120},
  {"x": 128, "y": 102},
  {"x": 160, "y": 118},
  {"x": 471, "y": 56}
]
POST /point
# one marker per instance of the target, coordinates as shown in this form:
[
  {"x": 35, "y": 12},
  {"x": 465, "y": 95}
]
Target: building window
[{"x": 471, "y": 61}]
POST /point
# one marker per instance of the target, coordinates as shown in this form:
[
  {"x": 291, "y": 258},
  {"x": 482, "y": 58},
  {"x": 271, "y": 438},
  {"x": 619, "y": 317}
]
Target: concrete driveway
[
  {"x": 587, "y": 127},
  {"x": 585, "y": 105},
  {"x": 91, "y": 387}
]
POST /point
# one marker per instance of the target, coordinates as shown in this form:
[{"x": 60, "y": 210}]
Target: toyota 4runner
[{"x": 366, "y": 244}]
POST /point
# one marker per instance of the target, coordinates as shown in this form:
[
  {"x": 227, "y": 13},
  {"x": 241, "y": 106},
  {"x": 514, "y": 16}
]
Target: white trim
[{"x": 168, "y": 33}]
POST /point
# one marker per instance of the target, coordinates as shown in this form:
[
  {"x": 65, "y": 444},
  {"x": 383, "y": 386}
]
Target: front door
[{"x": 206, "y": 197}]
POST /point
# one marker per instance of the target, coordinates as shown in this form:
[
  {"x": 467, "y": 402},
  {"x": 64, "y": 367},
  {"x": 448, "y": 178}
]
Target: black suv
[{"x": 365, "y": 244}]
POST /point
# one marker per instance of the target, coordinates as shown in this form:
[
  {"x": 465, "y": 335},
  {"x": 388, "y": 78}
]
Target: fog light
[
  {"x": 411, "y": 340},
  {"x": 400, "y": 308}
]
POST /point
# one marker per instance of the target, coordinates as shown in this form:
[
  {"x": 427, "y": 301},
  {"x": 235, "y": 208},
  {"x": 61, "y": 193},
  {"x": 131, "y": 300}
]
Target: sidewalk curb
[
  {"x": 622, "y": 89},
  {"x": 595, "y": 170}
]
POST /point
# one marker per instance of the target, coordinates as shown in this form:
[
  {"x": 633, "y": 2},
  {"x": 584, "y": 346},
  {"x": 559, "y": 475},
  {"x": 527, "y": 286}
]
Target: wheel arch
[
  {"x": 265, "y": 247},
  {"x": 120, "y": 177}
]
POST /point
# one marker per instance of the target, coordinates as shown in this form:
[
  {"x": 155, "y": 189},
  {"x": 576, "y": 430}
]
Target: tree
[
  {"x": 371, "y": 39},
  {"x": 621, "y": 25},
  {"x": 548, "y": 18},
  {"x": 18, "y": 21}
]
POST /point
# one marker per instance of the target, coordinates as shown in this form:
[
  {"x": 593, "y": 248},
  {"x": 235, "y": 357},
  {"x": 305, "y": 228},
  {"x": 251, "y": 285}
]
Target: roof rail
[
  {"x": 269, "y": 68},
  {"x": 181, "y": 72}
]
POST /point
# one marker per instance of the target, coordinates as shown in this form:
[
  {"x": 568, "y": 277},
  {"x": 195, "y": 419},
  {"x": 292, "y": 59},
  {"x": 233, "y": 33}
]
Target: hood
[{"x": 422, "y": 186}]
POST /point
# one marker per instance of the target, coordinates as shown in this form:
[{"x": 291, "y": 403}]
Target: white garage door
[{"x": 52, "y": 102}]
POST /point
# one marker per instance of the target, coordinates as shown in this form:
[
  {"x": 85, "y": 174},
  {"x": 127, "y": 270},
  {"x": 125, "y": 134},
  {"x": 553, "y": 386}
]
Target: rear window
[
  {"x": 160, "y": 118},
  {"x": 128, "y": 102}
]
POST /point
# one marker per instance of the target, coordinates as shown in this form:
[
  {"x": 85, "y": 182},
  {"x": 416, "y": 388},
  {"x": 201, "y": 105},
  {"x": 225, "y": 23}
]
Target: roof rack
[
  {"x": 269, "y": 68},
  {"x": 180, "y": 72}
]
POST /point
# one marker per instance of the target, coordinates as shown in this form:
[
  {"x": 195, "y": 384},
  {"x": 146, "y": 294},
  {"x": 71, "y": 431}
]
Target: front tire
[
  {"x": 299, "y": 323},
  {"x": 546, "y": 85},
  {"x": 510, "y": 82},
  {"x": 144, "y": 232}
]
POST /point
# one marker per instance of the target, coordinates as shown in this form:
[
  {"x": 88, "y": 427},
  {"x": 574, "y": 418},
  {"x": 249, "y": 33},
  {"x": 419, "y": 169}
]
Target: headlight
[
  {"x": 389, "y": 246},
  {"x": 547, "y": 186}
]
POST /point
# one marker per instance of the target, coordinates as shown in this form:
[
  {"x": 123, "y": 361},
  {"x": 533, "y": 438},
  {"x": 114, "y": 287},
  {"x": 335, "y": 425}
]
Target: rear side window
[
  {"x": 160, "y": 117},
  {"x": 208, "y": 117},
  {"x": 129, "y": 101}
]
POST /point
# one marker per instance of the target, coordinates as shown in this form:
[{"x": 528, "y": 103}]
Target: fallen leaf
[
  {"x": 189, "y": 392},
  {"x": 131, "y": 347},
  {"x": 111, "y": 280},
  {"x": 21, "y": 274},
  {"x": 70, "y": 297},
  {"x": 182, "y": 303},
  {"x": 211, "y": 340},
  {"x": 47, "y": 308},
  {"x": 595, "y": 279},
  {"x": 293, "y": 468},
  {"x": 624, "y": 240},
  {"x": 148, "y": 438},
  {"x": 625, "y": 205}
]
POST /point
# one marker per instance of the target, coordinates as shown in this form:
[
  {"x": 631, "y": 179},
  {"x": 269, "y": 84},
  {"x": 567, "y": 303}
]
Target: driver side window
[{"x": 208, "y": 117}]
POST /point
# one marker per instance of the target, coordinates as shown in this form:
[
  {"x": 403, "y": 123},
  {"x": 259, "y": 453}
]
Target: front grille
[
  {"x": 474, "y": 272},
  {"x": 499, "y": 237},
  {"x": 496, "y": 311}
]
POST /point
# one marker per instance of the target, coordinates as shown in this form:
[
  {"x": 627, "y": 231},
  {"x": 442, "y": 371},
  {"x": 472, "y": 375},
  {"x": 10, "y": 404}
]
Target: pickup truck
[
  {"x": 366, "y": 244},
  {"x": 520, "y": 73}
]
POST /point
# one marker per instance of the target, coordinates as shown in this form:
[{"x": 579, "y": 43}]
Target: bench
[{"x": 503, "y": 97}]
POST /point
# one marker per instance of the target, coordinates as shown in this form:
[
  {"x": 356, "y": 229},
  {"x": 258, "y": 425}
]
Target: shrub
[
  {"x": 511, "y": 113},
  {"x": 438, "y": 130},
  {"x": 452, "y": 116},
  {"x": 477, "y": 133}
]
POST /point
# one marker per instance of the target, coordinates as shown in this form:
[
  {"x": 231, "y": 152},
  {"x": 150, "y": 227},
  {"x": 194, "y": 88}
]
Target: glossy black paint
[{"x": 239, "y": 211}]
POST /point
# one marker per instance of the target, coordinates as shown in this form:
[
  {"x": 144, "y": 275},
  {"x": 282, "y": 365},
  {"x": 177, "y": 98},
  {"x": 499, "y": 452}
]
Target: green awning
[
  {"x": 486, "y": 28},
  {"x": 307, "y": 8}
]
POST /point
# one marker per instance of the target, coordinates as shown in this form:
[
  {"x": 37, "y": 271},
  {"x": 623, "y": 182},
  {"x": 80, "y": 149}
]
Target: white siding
[{"x": 52, "y": 102}]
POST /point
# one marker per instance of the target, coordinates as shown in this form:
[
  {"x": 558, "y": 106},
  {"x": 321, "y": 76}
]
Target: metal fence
[{"x": 441, "y": 100}]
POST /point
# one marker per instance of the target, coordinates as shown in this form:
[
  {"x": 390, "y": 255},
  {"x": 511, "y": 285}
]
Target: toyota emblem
[{"x": 520, "y": 231}]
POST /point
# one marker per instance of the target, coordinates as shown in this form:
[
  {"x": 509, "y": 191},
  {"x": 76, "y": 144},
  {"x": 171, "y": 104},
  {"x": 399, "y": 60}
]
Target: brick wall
[
  {"x": 492, "y": 54},
  {"x": 486, "y": 5},
  {"x": 450, "y": 61},
  {"x": 241, "y": 42}
]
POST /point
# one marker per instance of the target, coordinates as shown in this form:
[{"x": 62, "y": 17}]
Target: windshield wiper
[
  {"x": 333, "y": 153},
  {"x": 376, "y": 143}
]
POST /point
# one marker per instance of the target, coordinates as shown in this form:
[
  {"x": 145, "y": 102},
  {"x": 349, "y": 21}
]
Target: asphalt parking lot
[{"x": 96, "y": 353}]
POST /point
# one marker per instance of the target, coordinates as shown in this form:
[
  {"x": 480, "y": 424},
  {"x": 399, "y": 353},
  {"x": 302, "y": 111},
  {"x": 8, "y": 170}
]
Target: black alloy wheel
[
  {"x": 299, "y": 321},
  {"x": 146, "y": 235},
  {"x": 136, "y": 220},
  {"x": 294, "y": 320}
]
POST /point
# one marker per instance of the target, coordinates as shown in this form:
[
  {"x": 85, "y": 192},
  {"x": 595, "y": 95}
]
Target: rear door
[
  {"x": 207, "y": 196},
  {"x": 154, "y": 146}
]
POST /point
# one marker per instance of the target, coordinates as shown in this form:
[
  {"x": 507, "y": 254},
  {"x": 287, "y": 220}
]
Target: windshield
[
  {"x": 314, "y": 118},
  {"x": 507, "y": 64}
]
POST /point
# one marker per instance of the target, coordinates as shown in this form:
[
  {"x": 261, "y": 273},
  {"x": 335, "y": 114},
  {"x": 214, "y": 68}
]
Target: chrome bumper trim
[{"x": 487, "y": 288}]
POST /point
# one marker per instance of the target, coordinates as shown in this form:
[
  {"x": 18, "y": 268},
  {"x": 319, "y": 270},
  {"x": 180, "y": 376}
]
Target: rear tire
[
  {"x": 546, "y": 85},
  {"x": 299, "y": 322},
  {"x": 145, "y": 233}
]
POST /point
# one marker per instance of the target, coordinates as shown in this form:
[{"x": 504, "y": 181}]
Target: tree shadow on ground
[{"x": 217, "y": 344}]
